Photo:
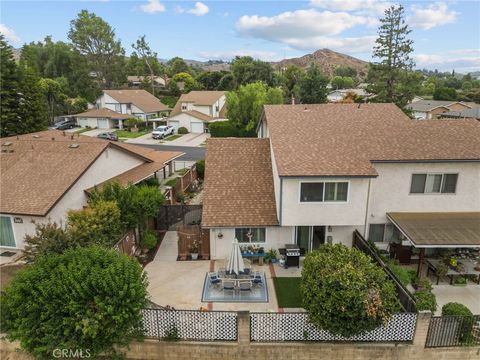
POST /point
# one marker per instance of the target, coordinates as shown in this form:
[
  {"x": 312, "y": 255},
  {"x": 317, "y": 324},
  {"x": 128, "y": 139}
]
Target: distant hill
[{"x": 327, "y": 60}]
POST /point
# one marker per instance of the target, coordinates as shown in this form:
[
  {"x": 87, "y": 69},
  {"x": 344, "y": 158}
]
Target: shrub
[
  {"x": 182, "y": 130},
  {"x": 171, "y": 182},
  {"x": 460, "y": 280},
  {"x": 426, "y": 300},
  {"x": 200, "y": 164},
  {"x": 132, "y": 122},
  {"x": 228, "y": 129},
  {"x": 88, "y": 298},
  {"x": 180, "y": 197},
  {"x": 171, "y": 334},
  {"x": 344, "y": 292},
  {"x": 454, "y": 308},
  {"x": 402, "y": 273},
  {"x": 150, "y": 240},
  {"x": 152, "y": 182}
]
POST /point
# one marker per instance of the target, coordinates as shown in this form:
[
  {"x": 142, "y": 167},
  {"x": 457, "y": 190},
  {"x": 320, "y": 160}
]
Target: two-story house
[
  {"x": 432, "y": 109},
  {"x": 196, "y": 109},
  {"x": 115, "y": 106},
  {"x": 317, "y": 173}
]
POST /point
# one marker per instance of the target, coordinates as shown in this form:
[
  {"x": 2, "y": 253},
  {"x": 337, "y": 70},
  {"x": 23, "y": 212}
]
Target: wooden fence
[
  {"x": 127, "y": 244},
  {"x": 187, "y": 235}
]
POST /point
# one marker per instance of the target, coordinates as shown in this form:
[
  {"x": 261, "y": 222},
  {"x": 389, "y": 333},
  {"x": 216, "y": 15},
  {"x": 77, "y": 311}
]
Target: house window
[
  {"x": 184, "y": 106},
  {"x": 433, "y": 183},
  {"x": 118, "y": 108},
  {"x": 6, "y": 232},
  {"x": 323, "y": 191},
  {"x": 383, "y": 233},
  {"x": 250, "y": 235},
  {"x": 129, "y": 107}
]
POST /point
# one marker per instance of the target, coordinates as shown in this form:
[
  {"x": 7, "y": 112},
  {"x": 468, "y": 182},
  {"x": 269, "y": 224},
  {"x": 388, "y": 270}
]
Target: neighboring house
[
  {"x": 345, "y": 167},
  {"x": 45, "y": 174},
  {"x": 417, "y": 98},
  {"x": 340, "y": 94},
  {"x": 462, "y": 114},
  {"x": 196, "y": 109},
  {"x": 431, "y": 109},
  {"x": 100, "y": 118},
  {"x": 137, "y": 81},
  {"x": 136, "y": 103}
]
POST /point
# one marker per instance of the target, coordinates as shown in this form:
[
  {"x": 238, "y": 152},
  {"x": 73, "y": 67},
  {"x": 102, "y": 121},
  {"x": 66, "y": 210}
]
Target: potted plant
[
  {"x": 193, "y": 249},
  {"x": 272, "y": 253}
]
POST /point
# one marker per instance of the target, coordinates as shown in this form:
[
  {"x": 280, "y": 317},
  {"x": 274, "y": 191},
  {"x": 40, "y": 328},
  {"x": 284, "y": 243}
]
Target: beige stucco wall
[
  {"x": 390, "y": 191},
  {"x": 349, "y": 213},
  {"x": 110, "y": 163}
]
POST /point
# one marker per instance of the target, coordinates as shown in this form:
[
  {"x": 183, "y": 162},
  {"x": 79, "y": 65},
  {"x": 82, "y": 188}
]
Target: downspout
[
  {"x": 367, "y": 208},
  {"x": 281, "y": 202}
]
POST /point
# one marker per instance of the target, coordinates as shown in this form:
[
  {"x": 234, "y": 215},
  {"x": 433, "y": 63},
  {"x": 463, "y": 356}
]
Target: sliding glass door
[{"x": 310, "y": 237}]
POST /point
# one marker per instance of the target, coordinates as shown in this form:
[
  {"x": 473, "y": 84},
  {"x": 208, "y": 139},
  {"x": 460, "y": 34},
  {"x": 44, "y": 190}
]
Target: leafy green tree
[
  {"x": 94, "y": 38},
  {"x": 392, "y": 79},
  {"x": 53, "y": 94},
  {"x": 245, "y": 106},
  {"x": 445, "y": 93},
  {"x": 227, "y": 82},
  {"x": 142, "y": 47},
  {"x": 289, "y": 80},
  {"x": 246, "y": 70},
  {"x": 345, "y": 71},
  {"x": 177, "y": 65},
  {"x": 210, "y": 80},
  {"x": 312, "y": 88},
  {"x": 174, "y": 88},
  {"x": 99, "y": 224},
  {"x": 342, "y": 82},
  {"x": 187, "y": 79},
  {"x": 467, "y": 85},
  {"x": 89, "y": 299},
  {"x": 344, "y": 292},
  {"x": 8, "y": 90}
]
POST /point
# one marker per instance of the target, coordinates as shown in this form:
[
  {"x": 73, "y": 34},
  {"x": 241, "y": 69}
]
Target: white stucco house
[
  {"x": 196, "y": 109},
  {"x": 136, "y": 81},
  {"x": 103, "y": 118},
  {"x": 45, "y": 174},
  {"x": 340, "y": 94},
  {"x": 433, "y": 109},
  {"x": 317, "y": 173}
]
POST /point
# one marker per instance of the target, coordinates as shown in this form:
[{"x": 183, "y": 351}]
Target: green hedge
[
  {"x": 182, "y": 130},
  {"x": 454, "y": 308},
  {"x": 228, "y": 129},
  {"x": 200, "y": 168},
  {"x": 426, "y": 300}
]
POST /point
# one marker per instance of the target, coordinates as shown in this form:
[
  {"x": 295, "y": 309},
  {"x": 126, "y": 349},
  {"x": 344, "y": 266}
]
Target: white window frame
[
  {"x": 323, "y": 194},
  {"x": 441, "y": 183},
  {"x": 13, "y": 230},
  {"x": 251, "y": 227}
]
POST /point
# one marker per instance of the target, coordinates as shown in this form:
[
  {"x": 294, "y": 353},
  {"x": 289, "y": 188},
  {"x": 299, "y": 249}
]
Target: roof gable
[{"x": 140, "y": 98}]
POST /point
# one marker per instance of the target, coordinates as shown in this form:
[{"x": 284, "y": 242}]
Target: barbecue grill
[{"x": 292, "y": 255}]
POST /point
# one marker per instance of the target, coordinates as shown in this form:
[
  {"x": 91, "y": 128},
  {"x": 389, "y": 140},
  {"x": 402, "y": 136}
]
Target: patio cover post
[{"x": 421, "y": 258}]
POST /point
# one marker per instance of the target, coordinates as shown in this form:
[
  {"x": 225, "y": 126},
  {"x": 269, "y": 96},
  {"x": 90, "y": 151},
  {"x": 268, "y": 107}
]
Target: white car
[{"x": 162, "y": 131}]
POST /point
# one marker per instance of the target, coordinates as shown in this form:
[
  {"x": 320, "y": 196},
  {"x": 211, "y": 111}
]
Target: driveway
[
  {"x": 94, "y": 132},
  {"x": 190, "y": 140},
  {"x": 192, "y": 153}
]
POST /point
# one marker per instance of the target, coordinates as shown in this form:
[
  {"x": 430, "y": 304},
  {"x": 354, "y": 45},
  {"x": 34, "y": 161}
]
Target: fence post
[
  {"x": 243, "y": 328},
  {"x": 421, "y": 331}
]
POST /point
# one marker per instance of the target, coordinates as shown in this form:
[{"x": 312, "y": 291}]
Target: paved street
[{"x": 191, "y": 153}]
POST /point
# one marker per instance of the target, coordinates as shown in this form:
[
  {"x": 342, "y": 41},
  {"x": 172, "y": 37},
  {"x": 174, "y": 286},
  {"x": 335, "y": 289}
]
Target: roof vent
[
  {"x": 36, "y": 136},
  {"x": 74, "y": 146},
  {"x": 53, "y": 139},
  {"x": 8, "y": 143}
]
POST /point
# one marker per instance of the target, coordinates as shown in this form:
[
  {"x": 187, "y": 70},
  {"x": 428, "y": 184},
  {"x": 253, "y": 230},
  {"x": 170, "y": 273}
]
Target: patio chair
[
  {"x": 228, "y": 286},
  {"x": 214, "y": 278},
  {"x": 245, "y": 287},
  {"x": 257, "y": 278}
]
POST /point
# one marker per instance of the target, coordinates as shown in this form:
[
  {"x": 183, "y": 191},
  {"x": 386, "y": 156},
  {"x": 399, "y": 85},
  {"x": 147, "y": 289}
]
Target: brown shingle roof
[
  {"x": 344, "y": 139},
  {"x": 199, "y": 115},
  {"x": 37, "y": 171},
  {"x": 140, "y": 98},
  {"x": 238, "y": 183},
  {"x": 429, "y": 105},
  {"x": 102, "y": 113},
  {"x": 205, "y": 98}
]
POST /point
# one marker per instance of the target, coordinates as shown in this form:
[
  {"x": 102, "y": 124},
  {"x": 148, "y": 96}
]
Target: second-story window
[
  {"x": 433, "y": 183},
  {"x": 184, "y": 106},
  {"x": 118, "y": 108},
  {"x": 323, "y": 191}
]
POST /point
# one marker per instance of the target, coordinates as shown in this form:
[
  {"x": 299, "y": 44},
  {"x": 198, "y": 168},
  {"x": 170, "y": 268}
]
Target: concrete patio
[
  {"x": 467, "y": 295},
  {"x": 180, "y": 283}
]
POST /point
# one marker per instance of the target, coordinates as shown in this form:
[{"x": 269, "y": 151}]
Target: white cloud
[
  {"x": 10, "y": 34},
  {"x": 199, "y": 9},
  {"x": 308, "y": 30},
  {"x": 228, "y": 55},
  {"x": 431, "y": 16},
  {"x": 153, "y": 7},
  {"x": 373, "y": 6},
  {"x": 447, "y": 63}
]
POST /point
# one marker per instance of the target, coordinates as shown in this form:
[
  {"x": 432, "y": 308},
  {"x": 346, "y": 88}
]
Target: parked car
[
  {"x": 162, "y": 131},
  {"x": 64, "y": 125},
  {"x": 108, "y": 136}
]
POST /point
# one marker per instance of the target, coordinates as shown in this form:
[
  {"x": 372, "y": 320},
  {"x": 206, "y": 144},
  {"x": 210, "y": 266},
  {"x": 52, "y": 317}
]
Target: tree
[
  {"x": 246, "y": 70},
  {"x": 8, "y": 90},
  {"x": 344, "y": 292},
  {"x": 142, "y": 47},
  {"x": 95, "y": 39},
  {"x": 290, "y": 79},
  {"x": 210, "y": 80},
  {"x": 227, "y": 82},
  {"x": 99, "y": 224},
  {"x": 445, "y": 93},
  {"x": 345, "y": 71},
  {"x": 53, "y": 94},
  {"x": 467, "y": 85},
  {"x": 187, "y": 79},
  {"x": 312, "y": 88},
  {"x": 89, "y": 299},
  {"x": 392, "y": 79},
  {"x": 177, "y": 65},
  {"x": 245, "y": 106}
]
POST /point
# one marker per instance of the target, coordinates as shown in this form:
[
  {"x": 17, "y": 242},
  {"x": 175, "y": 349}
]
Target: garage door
[
  {"x": 103, "y": 124},
  {"x": 196, "y": 127},
  {"x": 174, "y": 124},
  {"x": 82, "y": 122}
]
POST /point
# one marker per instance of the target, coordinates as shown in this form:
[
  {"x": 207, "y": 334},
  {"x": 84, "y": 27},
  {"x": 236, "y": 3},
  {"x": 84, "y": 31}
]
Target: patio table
[
  {"x": 469, "y": 266},
  {"x": 257, "y": 255}
]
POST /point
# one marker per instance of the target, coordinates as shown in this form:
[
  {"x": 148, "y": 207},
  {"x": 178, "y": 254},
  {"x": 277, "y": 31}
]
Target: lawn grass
[
  {"x": 82, "y": 130},
  {"x": 173, "y": 137},
  {"x": 288, "y": 292},
  {"x": 131, "y": 135}
]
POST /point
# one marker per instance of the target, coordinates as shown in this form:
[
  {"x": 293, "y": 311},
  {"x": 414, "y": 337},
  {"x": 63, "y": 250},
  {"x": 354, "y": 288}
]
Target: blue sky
[{"x": 446, "y": 33}]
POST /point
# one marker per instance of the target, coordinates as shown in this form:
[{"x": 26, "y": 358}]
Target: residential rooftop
[
  {"x": 346, "y": 139},
  {"x": 102, "y": 113},
  {"x": 140, "y": 98},
  {"x": 429, "y": 105}
]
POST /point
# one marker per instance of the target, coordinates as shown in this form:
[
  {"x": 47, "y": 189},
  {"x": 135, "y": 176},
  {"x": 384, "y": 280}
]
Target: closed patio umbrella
[{"x": 235, "y": 262}]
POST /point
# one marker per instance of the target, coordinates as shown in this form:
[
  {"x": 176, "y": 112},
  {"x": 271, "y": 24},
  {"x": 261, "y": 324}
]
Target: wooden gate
[{"x": 187, "y": 235}]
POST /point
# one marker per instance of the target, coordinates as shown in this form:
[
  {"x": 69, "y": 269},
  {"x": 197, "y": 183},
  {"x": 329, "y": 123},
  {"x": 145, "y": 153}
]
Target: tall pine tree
[
  {"x": 392, "y": 78},
  {"x": 8, "y": 90}
]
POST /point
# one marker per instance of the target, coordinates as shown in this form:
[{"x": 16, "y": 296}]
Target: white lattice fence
[
  {"x": 267, "y": 327},
  {"x": 191, "y": 324}
]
